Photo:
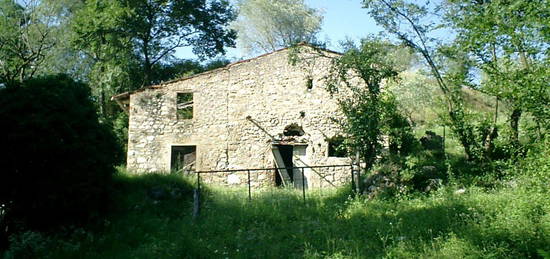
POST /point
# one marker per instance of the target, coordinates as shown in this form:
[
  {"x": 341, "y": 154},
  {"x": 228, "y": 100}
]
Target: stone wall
[{"x": 239, "y": 112}]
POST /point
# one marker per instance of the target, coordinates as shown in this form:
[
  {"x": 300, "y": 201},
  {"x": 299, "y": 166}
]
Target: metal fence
[{"x": 299, "y": 179}]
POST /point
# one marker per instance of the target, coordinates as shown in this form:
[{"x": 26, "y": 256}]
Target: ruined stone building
[{"x": 262, "y": 112}]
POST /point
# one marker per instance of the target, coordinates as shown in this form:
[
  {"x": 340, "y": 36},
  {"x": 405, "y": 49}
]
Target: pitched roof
[{"x": 161, "y": 85}]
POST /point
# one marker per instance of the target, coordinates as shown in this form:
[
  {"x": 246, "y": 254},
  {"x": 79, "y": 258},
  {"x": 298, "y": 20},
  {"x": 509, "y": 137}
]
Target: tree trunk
[
  {"x": 514, "y": 125},
  {"x": 466, "y": 145},
  {"x": 489, "y": 140},
  {"x": 147, "y": 70},
  {"x": 147, "y": 67},
  {"x": 458, "y": 126},
  {"x": 104, "y": 106}
]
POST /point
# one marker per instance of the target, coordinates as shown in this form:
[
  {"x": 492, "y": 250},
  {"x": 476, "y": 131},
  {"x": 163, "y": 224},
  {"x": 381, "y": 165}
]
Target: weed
[{"x": 476, "y": 223}]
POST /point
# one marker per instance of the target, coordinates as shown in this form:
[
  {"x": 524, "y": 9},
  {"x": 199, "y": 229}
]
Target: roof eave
[{"x": 126, "y": 95}]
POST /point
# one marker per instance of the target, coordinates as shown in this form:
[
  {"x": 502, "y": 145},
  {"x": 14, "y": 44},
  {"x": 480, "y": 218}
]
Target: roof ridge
[{"x": 162, "y": 84}]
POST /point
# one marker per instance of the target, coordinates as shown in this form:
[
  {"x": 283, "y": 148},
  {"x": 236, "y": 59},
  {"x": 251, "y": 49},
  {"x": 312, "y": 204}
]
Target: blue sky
[{"x": 343, "y": 19}]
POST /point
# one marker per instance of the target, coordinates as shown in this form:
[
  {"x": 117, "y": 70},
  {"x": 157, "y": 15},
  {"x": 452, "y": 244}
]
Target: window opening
[
  {"x": 337, "y": 147},
  {"x": 183, "y": 159},
  {"x": 185, "y": 106},
  {"x": 309, "y": 83}
]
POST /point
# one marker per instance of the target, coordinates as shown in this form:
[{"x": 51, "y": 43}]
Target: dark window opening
[
  {"x": 293, "y": 130},
  {"x": 309, "y": 84},
  {"x": 337, "y": 147},
  {"x": 185, "y": 106},
  {"x": 183, "y": 159}
]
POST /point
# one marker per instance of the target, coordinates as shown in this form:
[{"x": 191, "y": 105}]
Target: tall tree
[
  {"x": 100, "y": 35},
  {"x": 130, "y": 39},
  {"x": 508, "y": 41},
  {"x": 62, "y": 57},
  {"x": 158, "y": 27},
  {"x": 267, "y": 25},
  {"x": 35, "y": 39},
  {"x": 25, "y": 37},
  {"x": 359, "y": 73},
  {"x": 413, "y": 23}
]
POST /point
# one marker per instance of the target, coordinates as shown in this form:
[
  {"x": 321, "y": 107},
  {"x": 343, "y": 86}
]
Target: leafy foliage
[
  {"x": 26, "y": 34},
  {"x": 267, "y": 25},
  {"x": 412, "y": 23},
  {"x": 158, "y": 27},
  {"x": 417, "y": 97},
  {"x": 359, "y": 75},
  {"x": 152, "y": 30},
  {"x": 182, "y": 68},
  {"x": 337, "y": 147},
  {"x": 132, "y": 42},
  {"x": 60, "y": 161},
  {"x": 99, "y": 35},
  {"x": 507, "y": 41}
]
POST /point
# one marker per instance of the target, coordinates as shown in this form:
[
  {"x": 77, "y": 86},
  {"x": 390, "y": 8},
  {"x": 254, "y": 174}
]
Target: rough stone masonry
[{"x": 257, "y": 113}]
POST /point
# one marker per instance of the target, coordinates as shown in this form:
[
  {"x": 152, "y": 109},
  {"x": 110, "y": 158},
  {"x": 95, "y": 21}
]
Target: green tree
[
  {"x": 157, "y": 27},
  {"x": 61, "y": 158},
  {"x": 181, "y": 68},
  {"x": 359, "y": 74},
  {"x": 508, "y": 41},
  {"x": 413, "y": 23},
  {"x": 35, "y": 40},
  {"x": 62, "y": 58},
  {"x": 132, "y": 41},
  {"x": 99, "y": 34},
  {"x": 267, "y": 25},
  {"x": 26, "y": 35},
  {"x": 417, "y": 97}
]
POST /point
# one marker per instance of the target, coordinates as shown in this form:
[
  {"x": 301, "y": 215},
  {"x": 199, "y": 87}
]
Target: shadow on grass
[{"x": 277, "y": 224}]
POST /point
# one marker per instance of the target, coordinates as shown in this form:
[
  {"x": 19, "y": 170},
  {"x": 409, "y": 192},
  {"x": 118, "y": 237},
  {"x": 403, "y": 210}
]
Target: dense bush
[
  {"x": 58, "y": 160},
  {"x": 409, "y": 164}
]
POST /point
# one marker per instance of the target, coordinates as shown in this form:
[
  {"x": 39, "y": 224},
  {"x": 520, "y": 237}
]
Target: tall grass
[{"x": 506, "y": 222}]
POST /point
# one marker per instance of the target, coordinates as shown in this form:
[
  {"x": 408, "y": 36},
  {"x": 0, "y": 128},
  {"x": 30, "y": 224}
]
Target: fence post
[
  {"x": 303, "y": 186},
  {"x": 275, "y": 177},
  {"x": 353, "y": 176},
  {"x": 197, "y": 198},
  {"x": 249, "y": 190},
  {"x": 357, "y": 174},
  {"x": 444, "y": 140}
]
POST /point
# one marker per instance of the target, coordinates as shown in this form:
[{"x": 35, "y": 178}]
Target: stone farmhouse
[{"x": 262, "y": 112}]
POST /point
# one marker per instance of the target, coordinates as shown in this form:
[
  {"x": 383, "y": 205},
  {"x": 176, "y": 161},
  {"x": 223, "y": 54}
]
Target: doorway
[{"x": 285, "y": 152}]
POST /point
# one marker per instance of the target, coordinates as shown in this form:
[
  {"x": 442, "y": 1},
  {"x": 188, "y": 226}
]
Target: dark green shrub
[
  {"x": 412, "y": 165},
  {"x": 120, "y": 129},
  {"x": 58, "y": 161},
  {"x": 401, "y": 140}
]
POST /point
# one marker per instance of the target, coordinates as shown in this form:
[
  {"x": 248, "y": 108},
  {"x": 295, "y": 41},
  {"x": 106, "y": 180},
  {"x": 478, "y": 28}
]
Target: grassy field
[{"x": 511, "y": 221}]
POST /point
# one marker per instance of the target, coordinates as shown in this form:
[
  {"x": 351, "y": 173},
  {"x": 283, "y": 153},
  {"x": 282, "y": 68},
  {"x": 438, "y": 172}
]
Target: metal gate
[{"x": 299, "y": 180}]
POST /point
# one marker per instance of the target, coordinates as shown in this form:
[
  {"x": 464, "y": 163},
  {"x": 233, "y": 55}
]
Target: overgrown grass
[{"x": 506, "y": 222}]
